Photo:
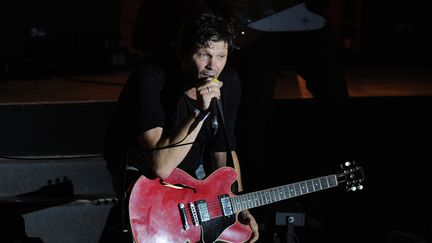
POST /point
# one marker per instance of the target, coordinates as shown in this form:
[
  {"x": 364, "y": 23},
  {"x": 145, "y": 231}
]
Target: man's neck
[{"x": 191, "y": 93}]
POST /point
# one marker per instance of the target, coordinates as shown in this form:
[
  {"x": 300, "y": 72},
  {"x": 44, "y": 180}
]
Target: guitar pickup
[
  {"x": 226, "y": 205},
  {"x": 203, "y": 211}
]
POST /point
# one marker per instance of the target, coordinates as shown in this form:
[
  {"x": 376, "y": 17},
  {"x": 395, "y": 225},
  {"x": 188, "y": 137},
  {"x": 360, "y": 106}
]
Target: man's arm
[
  {"x": 169, "y": 152},
  {"x": 167, "y": 158}
]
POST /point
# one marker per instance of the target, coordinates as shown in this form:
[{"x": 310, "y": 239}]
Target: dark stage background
[
  {"x": 389, "y": 136},
  {"x": 47, "y": 197}
]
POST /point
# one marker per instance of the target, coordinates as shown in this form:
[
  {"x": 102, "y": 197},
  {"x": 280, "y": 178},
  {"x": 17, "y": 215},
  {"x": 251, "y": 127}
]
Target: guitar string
[
  {"x": 215, "y": 208},
  {"x": 276, "y": 195}
]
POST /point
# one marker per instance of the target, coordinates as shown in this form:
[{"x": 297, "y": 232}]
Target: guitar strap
[{"x": 229, "y": 161}]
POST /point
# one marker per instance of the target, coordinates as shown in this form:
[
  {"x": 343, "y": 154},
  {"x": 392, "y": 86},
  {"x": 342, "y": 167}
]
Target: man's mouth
[{"x": 208, "y": 75}]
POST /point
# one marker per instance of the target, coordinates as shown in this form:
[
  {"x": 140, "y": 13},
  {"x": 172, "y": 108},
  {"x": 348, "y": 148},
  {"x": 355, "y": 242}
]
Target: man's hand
[
  {"x": 245, "y": 217},
  {"x": 207, "y": 89}
]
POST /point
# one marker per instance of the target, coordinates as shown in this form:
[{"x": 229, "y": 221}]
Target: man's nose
[{"x": 210, "y": 63}]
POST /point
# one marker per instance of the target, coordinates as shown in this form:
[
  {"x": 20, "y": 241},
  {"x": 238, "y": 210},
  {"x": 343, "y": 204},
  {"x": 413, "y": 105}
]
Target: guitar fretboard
[{"x": 276, "y": 194}]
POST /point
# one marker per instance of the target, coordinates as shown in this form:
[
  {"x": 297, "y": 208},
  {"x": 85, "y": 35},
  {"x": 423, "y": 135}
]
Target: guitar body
[
  {"x": 155, "y": 215},
  {"x": 182, "y": 209}
]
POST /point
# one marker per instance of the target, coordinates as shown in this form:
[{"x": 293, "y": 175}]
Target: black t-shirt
[{"x": 154, "y": 98}]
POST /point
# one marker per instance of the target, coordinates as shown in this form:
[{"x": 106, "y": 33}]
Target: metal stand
[{"x": 290, "y": 222}]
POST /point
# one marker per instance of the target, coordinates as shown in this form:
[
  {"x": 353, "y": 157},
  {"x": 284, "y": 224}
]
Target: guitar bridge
[
  {"x": 198, "y": 211},
  {"x": 194, "y": 214}
]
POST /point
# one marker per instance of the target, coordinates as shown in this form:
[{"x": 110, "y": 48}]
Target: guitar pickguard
[{"x": 213, "y": 229}]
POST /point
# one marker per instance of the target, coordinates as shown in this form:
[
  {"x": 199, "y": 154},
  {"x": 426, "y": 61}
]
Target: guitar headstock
[{"x": 352, "y": 175}]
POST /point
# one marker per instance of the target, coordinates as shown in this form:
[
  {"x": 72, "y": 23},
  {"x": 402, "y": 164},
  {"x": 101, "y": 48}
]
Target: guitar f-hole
[{"x": 176, "y": 186}]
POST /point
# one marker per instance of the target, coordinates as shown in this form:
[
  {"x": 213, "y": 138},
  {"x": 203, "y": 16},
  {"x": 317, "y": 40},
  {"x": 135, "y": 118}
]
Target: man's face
[{"x": 209, "y": 61}]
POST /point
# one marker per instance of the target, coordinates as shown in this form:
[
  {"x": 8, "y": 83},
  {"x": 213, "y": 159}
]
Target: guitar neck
[{"x": 279, "y": 193}]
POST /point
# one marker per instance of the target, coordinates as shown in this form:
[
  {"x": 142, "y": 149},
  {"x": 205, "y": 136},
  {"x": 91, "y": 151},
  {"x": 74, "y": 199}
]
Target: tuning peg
[{"x": 354, "y": 188}]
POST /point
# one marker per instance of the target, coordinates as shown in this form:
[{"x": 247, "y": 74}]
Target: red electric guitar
[{"x": 183, "y": 209}]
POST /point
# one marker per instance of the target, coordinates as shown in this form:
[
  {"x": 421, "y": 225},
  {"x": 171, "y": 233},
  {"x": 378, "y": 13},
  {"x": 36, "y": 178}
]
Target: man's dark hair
[{"x": 197, "y": 31}]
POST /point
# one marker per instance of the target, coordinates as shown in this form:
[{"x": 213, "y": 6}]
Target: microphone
[{"x": 214, "y": 111}]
